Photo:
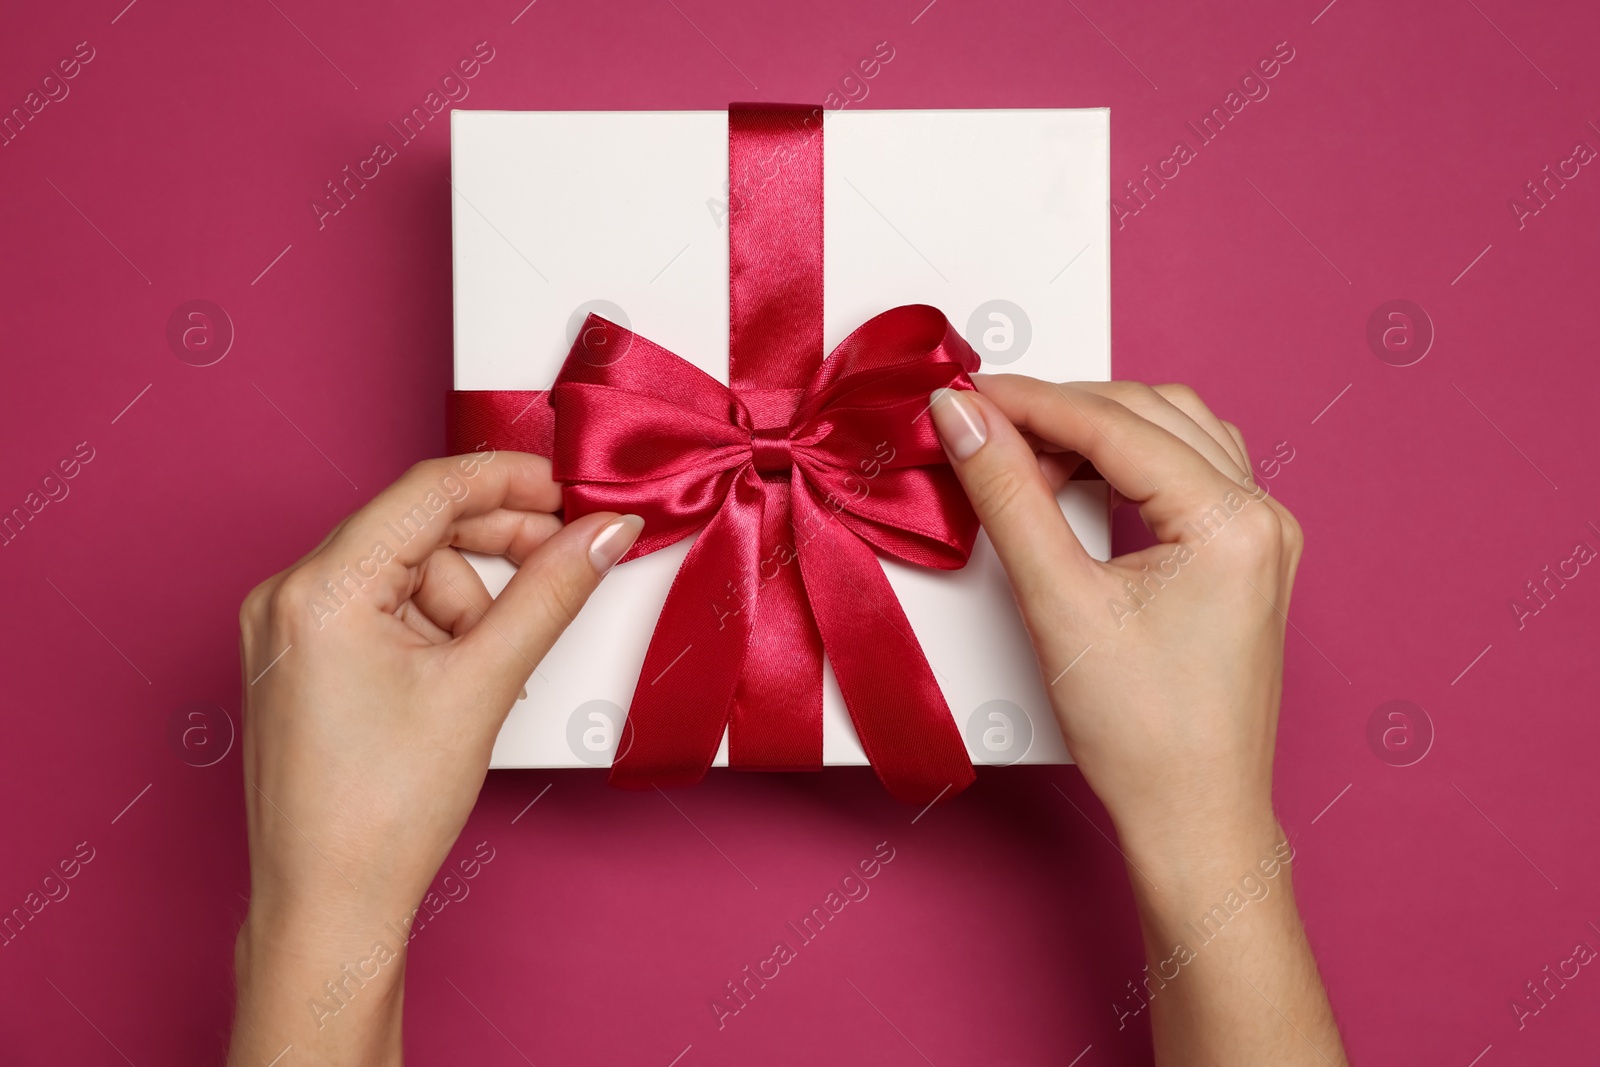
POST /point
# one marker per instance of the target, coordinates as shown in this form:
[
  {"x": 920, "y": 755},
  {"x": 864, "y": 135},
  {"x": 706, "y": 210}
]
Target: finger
[
  {"x": 1291, "y": 525},
  {"x": 1151, "y": 404},
  {"x": 1143, "y": 462},
  {"x": 1059, "y": 467},
  {"x": 1238, "y": 440},
  {"x": 543, "y": 598},
  {"x": 1010, "y": 493},
  {"x": 417, "y": 514},
  {"x": 303, "y": 560},
  {"x": 420, "y": 624},
  {"x": 1293, "y": 536},
  {"x": 503, "y": 532},
  {"x": 1188, "y": 401},
  {"x": 449, "y": 594}
]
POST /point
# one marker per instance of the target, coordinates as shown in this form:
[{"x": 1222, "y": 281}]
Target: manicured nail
[
  {"x": 613, "y": 541},
  {"x": 959, "y": 422}
]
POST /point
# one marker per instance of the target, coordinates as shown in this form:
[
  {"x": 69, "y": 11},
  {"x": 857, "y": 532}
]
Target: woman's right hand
[
  {"x": 1165, "y": 669},
  {"x": 1164, "y": 665}
]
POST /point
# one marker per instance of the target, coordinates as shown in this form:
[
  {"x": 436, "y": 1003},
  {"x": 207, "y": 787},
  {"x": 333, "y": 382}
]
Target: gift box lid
[{"x": 999, "y": 218}]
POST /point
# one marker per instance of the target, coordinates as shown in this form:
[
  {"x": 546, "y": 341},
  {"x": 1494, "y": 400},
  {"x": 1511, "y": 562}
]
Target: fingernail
[
  {"x": 613, "y": 541},
  {"x": 959, "y": 422}
]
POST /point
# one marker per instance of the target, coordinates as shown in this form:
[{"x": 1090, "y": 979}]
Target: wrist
[
  {"x": 1192, "y": 843},
  {"x": 1186, "y": 883},
  {"x": 333, "y": 988},
  {"x": 358, "y": 951}
]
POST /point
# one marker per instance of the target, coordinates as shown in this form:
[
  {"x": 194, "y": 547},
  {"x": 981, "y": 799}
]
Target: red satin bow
[{"x": 792, "y": 476}]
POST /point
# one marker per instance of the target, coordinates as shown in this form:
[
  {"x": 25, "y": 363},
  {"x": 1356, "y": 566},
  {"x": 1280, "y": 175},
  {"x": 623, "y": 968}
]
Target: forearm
[
  {"x": 1230, "y": 978},
  {"x": 333, "y": 996}
]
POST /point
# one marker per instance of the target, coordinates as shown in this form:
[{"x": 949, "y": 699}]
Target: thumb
[
  {"x": 545, "y": 595},
  {"x": 1011, "y": 495}
]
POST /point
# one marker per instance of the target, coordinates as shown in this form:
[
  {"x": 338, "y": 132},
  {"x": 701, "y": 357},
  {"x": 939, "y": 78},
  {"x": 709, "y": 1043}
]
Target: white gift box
[{"x": 999, "y": 218}]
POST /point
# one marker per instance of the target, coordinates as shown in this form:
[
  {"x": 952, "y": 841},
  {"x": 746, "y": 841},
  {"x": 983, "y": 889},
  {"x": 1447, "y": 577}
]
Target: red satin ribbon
[{"x": 792, "y": 475}]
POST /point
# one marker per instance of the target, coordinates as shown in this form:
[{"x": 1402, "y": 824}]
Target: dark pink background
[{"x": 1002, "y": 932}]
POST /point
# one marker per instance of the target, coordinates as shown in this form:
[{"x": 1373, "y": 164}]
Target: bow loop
[
  {"x": 888, "y": 358},
  {"x": 648, "y": 433},
  {"x": 872, "y": 452}
]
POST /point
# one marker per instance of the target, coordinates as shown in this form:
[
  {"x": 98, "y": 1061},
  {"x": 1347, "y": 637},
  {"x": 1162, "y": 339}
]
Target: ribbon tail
[
  {"x": 900, "y": 714},
  {"x": 777, "y": 711},
  {"x": 685, "y": 693}
]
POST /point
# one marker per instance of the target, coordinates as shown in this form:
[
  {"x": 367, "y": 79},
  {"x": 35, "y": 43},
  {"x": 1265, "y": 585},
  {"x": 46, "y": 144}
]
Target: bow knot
[{"x": 770, "y": 451}]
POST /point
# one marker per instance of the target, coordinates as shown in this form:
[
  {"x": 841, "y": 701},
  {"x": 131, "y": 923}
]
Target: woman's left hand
[{"x": 378, "y": 671}]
